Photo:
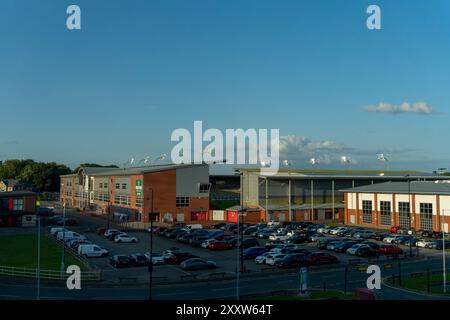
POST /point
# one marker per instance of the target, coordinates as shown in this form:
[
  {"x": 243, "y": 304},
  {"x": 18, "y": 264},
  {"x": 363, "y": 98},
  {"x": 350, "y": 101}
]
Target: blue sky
[{"x": 140, "y": 69}]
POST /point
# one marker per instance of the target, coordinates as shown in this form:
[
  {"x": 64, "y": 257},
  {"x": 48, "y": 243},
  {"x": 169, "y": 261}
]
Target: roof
[
  {"x": 420, "y": 187},
  {"x": 10, "y": 182},
  {"x": 307, "y": 206},
  {"x": 102, "y": 171},
  {"x": 16, "y": 194},
  {"x": 284, "y": 173}
]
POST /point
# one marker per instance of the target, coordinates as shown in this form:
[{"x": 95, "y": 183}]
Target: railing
[{"x": 46, "y": 274}]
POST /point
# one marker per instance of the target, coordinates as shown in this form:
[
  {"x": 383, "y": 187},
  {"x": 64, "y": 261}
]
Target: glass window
[
  {"x": 367, "y": 211},
  {"x": 426, "y": 216},
  {"x": 18, "y": 204},
  {"x": 124, "y": 186},
  {"x": 404, "y": 215},
  {"x": 182, "y": 201},
  {"x": 117, "y": 185},
  {"x": 385, "y": 213}
]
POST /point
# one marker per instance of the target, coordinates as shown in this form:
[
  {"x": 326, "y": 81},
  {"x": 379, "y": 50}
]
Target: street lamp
[{"x": 150, "y": 265}]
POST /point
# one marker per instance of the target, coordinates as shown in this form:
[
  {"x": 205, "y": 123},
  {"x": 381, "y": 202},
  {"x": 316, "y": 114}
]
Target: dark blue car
[{"x": 252, "y": 253}]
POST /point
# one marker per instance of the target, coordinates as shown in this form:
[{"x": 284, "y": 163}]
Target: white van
[
  {"x": 61, "y": 235},
  {"x": 91, "y": 251},
  {"x": 194, "y": 226}
]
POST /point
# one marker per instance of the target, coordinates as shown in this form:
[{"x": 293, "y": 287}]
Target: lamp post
[
  {"x": 150, "y": 264},
  {"x": 409, "y": 215},
  {"x": 63, "y": 267},
  {"x": 38, "y": 293},
  {"x": 444, "y": 274}
]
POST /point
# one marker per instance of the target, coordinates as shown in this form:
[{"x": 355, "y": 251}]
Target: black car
[
  {"x": 292, "y": 261},
  {"x": 197, "y": 264},
  {"x": 295, "y": 250},
  {"x": 299, "y": 238},
  {"x": 253, "y": 252},
  {"x": 366, "y": 252},
  {"x": 322, "y": 244},
  {"x": 246, "y": 243},
  {"x": 249, "y": 230},
  {"x": 120, "y": 261},
  {"x": 218, "y": 225},
  {"x": 185, "y": 237},
  {"x": 138, "y": 260},
  {"x": 379, "y": 236},
  {"x": 343, "y": 246},
  {"x": 174, "y": 234},
  {"x": 197, "y": 240}
]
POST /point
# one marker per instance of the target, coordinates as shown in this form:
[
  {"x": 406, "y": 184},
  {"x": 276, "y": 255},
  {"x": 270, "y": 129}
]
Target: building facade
[
  {"x": 174, "y": 193},
  {"x": 416, "y": 205},
  {"x": 311, "y": 195},
  {"x": 17, "y": 209}
]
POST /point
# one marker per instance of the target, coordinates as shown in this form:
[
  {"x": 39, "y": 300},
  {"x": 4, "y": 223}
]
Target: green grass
[
  {"x": 21, "y": 251},
  {"x": 419, "y": 283},
  {"x": 313, "y": 295}
]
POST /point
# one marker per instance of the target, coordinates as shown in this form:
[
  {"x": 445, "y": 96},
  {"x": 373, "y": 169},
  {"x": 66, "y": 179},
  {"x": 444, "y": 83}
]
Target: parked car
[
  {"x": 365, "y": 234},
  {"x": 316, "y": 258},
  {"x": 54, "y": 231},
  {"x": 264, "y": 233},
  {"x": 120, "y": 261},
  {"x": 65, "y": 235},
  {"x": 197, "y": 264},
  {"x": 246, "y": 243},
  {"x": 262, "y": 258},
  {"x": 197, "y": 240},
  {"x": 322, "y": 244},
  {"x": 280, "y": 236},
  {"x": 390, "y": 249},
  {"x": 66, "y": 221},
  {"x": 219, "y": 245},
  {"x": 298, "y": 238},
  {"x": 335, "y": 231},
  {"x": 437, "y": 244},
  {"x": 111, "y": 233},
  {"x": 379, "y": 236},
  {"x": 138, "y": 260},
  {"x": 295, "y": 250},
  {"x": 75, "y": 243},
  {"x": 391, "y": 238},
  {"x": 316, "y": 237},
  {"x": 125, "y": 238},
  {"x": 218, "y": 225},
  {"x": 366, "y": 251},
  {"x": 344, "y": 245},
  {"x": 332, "y": 244},
  {"x": 423, "y": 243},
  {"x": 352, "y": 250},
  {"x": 179, "y": 257},
  {"x": 272, "y": 259},
  {"x": 292, "y": 261},
  {"x": 156, "y": 258},
  {"x": 252, "y": 253},
  {"x": 207, "y": 242},
  {"x": 91, "y": 250},
  {"x": 55, "y": 219},
  {"x": 101, "y": 231}
]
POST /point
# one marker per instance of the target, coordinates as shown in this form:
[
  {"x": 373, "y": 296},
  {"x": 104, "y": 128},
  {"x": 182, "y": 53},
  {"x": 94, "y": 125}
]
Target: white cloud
[{"x": 417, "y": 108}]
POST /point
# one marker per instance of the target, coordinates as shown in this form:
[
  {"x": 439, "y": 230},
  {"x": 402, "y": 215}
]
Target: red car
[
  {"x": 394, "y": 229},
  {"x": 179, "y": 257},
  {"x": 101, "y": 231},
  {"x": 390, "y": 249},
  {"x": 219, "y": 245},
  {"x": 322, "y": 258}
]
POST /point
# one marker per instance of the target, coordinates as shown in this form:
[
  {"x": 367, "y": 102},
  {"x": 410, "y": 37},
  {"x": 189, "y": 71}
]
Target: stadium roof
[{"x": 419, "y": 187}]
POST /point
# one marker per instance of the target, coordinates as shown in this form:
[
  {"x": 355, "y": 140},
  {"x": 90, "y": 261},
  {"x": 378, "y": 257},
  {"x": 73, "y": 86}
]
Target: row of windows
[
  {"x": 11, "y": 204},
  {"x": 103, "y": 185},
  {"x": 124, "y": 186},
  {"x": 182, "y": 202}
]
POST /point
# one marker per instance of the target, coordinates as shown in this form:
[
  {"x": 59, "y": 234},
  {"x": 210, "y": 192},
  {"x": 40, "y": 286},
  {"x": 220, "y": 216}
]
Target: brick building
[
  {"x": 308, "y": 195},
  {"x": 17, "y": 209},
  {"x": 176, "y": 193},
  {"x": 417, "y": 205}
]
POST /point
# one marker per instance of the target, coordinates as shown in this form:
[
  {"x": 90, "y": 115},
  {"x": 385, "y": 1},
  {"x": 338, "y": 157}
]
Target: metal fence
[{"x": 46, "y": 274}]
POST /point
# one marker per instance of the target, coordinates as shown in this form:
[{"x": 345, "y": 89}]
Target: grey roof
[
  {"x": 16, "y": 193},
  {"x": 307, "y": 206},
  {"x": 101, "y": 171},
  {"x": 420, "y": 187},
  {"x": 10, "y": 182}
]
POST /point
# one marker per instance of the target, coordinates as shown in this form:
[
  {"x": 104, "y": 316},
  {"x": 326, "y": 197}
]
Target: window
[
  {"x": 124, "y": 186},
  {"x": 117, "y": 199},
  {"x": 182, "y": 202},
  {"x": 124, "y": 200},
  {"x": 101, "y": 185},
  {"x": 138, "y": 202},
  {"x": 367, "y": 211},
  {"x": 117, "y": 185},
  {"x": 404, "y": 215},
  {"x": 17, "y": 204},
  {"x": 426, "y": 216},
  {"x": 105, "y": 185},
  {"x": 385, "y": 213},
  {"x": 204, "y": 187}
]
